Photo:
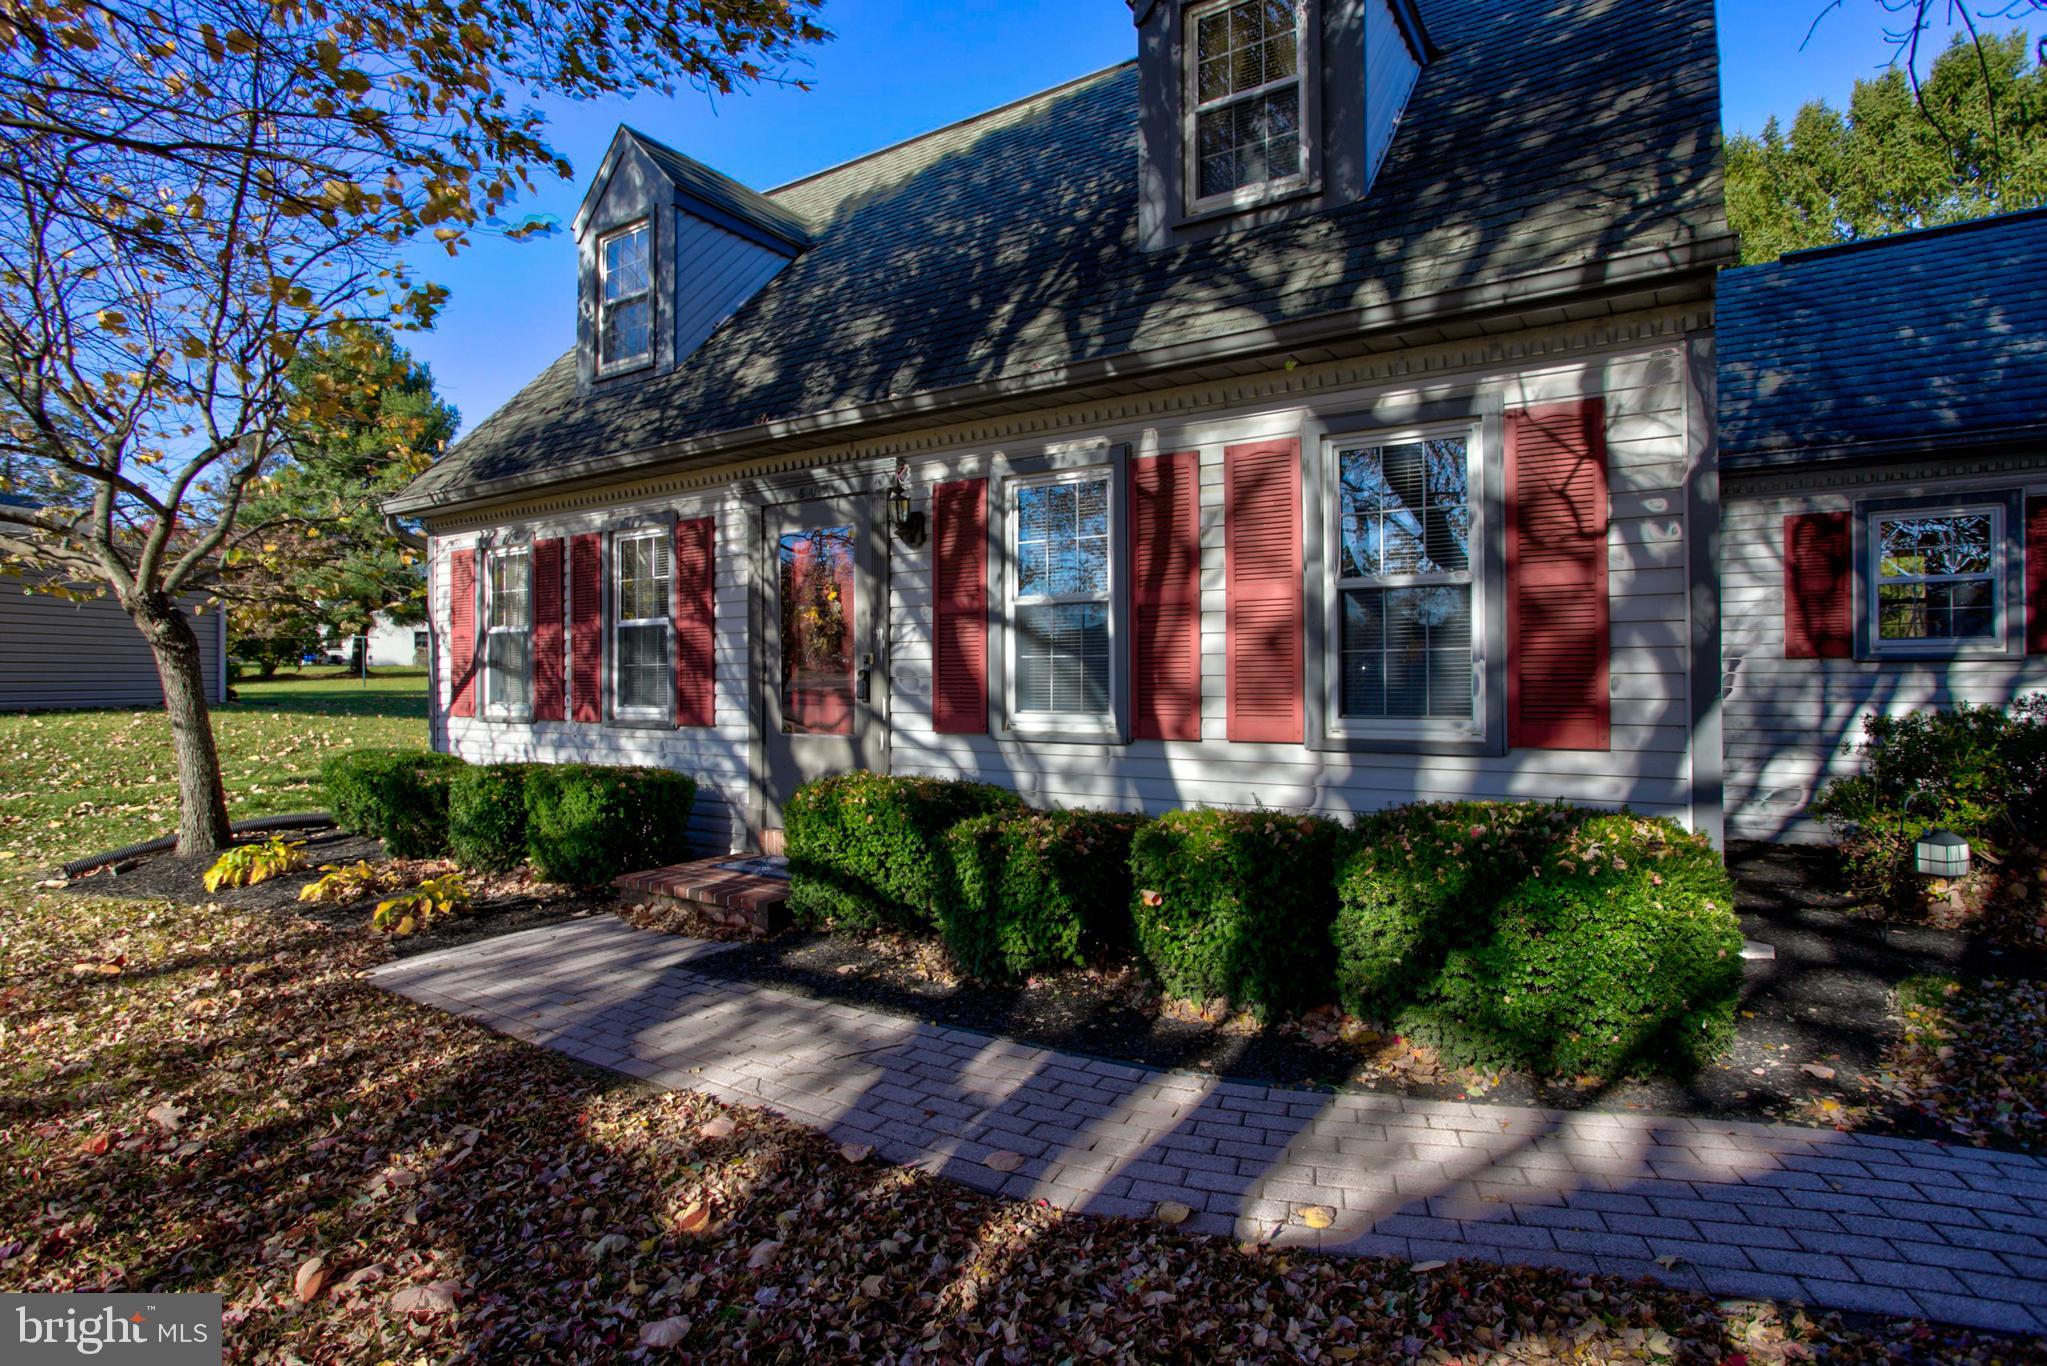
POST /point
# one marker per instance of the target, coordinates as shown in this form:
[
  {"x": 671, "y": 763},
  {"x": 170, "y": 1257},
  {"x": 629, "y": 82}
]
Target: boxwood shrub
[
  {"x": 1237, "y": 904},
  {"x": 1422, "y": 878},
  {"x": 867, "y": 849},
  {"x": 587, "y": 823},
  {"x": 1034, "y": 890},
  {"x": 399, "y": 796},
  {"x": 487, "y": 817},
  {"x": 1578, "y": 942}
]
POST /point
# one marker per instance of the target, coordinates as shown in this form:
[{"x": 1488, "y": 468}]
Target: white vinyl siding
[{"x": 1789, "y": 722}]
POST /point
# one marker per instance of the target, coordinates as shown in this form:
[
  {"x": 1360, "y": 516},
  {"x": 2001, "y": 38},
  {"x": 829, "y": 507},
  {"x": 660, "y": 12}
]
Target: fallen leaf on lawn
[
  {"x": 607, "y": 1245},
  {"x": 166, "y": 1116},
  {"x": 664, "y": 1332},
  {"x": 312, "y": 1275},
  {"x": 856, "y": 1152},
  {"x": 1004, "y": 1161},
  {"x": 1429, "y": 1266},
  {"x": 99, "y": 969},
  {"x": 1172, "y": 1213},
  {"x": 870, "y": 1286},
  {"x": 764, "y": 1254},
  {"x": 1820, "y": 1070},
  {"x": 96, "y": 1145},
  {"x": 693, "y": 1218},
  {"x": 845, "y": 969},
  {"x": 437, "y": 1298},
  {"x": 719, "y": 1127},
  {"x": 1317, "y": 1216}
]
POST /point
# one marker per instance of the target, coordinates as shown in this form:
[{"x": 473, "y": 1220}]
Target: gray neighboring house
[
  {"x": 1314, "y": 412},
  {"x": 1883, "y": 457},
  {"x": 59, "y": 653}
]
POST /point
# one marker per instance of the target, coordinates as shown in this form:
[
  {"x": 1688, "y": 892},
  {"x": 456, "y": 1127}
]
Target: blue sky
[{"x": 901, "y": 67}]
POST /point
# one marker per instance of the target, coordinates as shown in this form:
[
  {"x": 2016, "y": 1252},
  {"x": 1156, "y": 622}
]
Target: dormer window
[
  {"x": 625, "y": 320},
  {"x": 1245, "y": 129}
]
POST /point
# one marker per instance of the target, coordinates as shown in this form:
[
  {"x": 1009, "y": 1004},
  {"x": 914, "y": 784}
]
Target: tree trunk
[{"x": 202, "y": 799}]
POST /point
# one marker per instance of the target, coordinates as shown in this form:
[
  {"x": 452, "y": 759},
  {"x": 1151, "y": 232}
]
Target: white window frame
[
  {"x": 1192, "y": 108},
  {"x": 1336, "y": 724},
  {"x": 1996, "y": 642},
  {"x": 494, "y": 707},
  {"x": 664, "y": 711},
  {"x": 609, "y": 365},
  {"x": 1085, "y": 726}
]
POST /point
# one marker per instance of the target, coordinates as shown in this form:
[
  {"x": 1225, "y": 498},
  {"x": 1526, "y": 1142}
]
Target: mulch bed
[
  {"x": 1818, "y": 1042},
  {"x": 501, "y": 905},
  {"x": 1820, "y": 1039}
]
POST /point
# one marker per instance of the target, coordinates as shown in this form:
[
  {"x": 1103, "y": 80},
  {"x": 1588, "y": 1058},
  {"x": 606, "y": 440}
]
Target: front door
[{"x": 822, "y": 685}]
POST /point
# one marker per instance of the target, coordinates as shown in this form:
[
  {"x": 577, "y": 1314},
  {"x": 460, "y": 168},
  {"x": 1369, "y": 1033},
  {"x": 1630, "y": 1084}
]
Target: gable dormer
[
  {"x": 667, "y": 249},
  {"x": 1258, "y": 110}
]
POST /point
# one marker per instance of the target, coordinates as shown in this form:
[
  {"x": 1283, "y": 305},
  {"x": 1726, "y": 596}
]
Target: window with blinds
[
  {"x": 508, "y": 634},
  {"x": 641, "y": 604},
  {"x": 1246, "y": 134},
  {"x": 1060, "y": 632},
  {"x": 1406, "y": 602}
]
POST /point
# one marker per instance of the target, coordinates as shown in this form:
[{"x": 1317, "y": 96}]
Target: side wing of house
[
  {"x": 57, "y": 653},
  {"x": 1828, "y": 623},
  {"x": 1883, "y": 453}
]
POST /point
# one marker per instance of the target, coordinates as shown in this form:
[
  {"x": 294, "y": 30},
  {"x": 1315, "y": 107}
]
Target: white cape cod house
[{"x": 1315, "y": 412}]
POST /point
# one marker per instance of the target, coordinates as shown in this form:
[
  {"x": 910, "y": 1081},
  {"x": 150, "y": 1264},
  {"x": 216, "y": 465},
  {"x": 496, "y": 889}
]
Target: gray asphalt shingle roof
[
  {"x": 1922, "y": 340},
  {"x": 1549, "y": 134}
]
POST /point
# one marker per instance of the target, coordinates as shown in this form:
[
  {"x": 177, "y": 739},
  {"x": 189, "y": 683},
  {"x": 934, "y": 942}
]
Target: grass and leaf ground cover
[{"x": 213, "y": 1098}]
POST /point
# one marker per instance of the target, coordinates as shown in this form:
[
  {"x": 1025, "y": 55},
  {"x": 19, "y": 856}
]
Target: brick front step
[{"x": 727, "y": 891}]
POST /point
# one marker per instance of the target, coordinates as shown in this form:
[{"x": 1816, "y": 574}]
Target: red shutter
[
  {"x": 959, "y": 607},
  {"x": 586, "y": 628},
  {"x": 1262, "y": 531},
  {"x": 548, "y": 702},
  {"x": 462, "y": 633},
  {"x": 1557, "y": 636},
  {"x": 1819, "y": 586},
  {"x": 2036, "y": 576},
  {"x": 695, "y": 618},
  {"x": 1165, "y": 596}
]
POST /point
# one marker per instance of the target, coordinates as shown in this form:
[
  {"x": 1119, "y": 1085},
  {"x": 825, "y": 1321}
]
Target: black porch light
[{"x": 908, "y": 524}]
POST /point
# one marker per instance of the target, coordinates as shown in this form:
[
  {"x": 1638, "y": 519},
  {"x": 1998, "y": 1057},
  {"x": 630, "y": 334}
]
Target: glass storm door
[{"x": 821, "y": 682}]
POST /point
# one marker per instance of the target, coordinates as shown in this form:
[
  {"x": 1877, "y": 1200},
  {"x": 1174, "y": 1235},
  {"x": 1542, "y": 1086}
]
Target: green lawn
[{"x": 73, "y": 783}]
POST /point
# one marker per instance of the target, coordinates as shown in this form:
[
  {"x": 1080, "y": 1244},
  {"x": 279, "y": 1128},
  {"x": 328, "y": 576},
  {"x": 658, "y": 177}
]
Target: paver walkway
[{"x": 1841, "y": 1220}]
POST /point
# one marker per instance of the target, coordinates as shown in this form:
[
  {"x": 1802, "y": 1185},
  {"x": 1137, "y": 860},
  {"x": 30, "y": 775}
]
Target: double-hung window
[
  {"x": 625, "y": 299},
  {"x": 1406, "y": 602},
  {"x": 641, "y": 606},
  {"x": 1936, "y": 578},
  {"x": 507, "y": 634},
  {"x": 1246, "y": 135},
  {"x": 1061, "y": 667}
]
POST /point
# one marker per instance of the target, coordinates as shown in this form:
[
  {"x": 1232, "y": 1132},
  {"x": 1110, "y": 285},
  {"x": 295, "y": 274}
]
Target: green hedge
[
  {"x": 1563, "y": 940},
  {"x": 1237, "y": 904},
  {"x": 399, "y": 796},
  {"x": 487, "y": 817},
  {"x": 865, "y": 849},
  {"x": 1422, "y": 878},
  {"x": 1038, "y": 889},
  {"x": 1980, "y": 771},
  {"x": 587, "y": 823}
]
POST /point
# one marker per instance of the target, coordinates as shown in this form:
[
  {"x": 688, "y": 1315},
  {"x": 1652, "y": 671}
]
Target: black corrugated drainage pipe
[{"x": 303, "y": 820}]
